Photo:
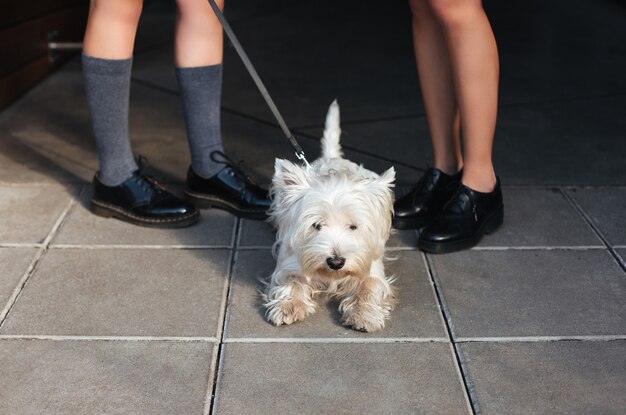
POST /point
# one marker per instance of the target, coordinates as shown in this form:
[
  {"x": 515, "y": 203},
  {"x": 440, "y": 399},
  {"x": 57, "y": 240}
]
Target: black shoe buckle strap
[{"x": 257, "y": 80}]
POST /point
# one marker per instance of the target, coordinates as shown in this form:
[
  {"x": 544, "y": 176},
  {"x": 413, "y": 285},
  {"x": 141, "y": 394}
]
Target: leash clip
[{"x": 300, "y": 156}]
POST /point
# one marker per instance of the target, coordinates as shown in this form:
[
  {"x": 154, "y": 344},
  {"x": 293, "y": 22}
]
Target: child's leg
[
  {"x": 107, "y": 61},
  {"x": 419, "y": 207},
  {"x": 474, "y": 60},
  {"x": 111, "y": 28},
  {"x": 436, "y": 82},
  {"x": 198, "y": 58},
  {"x": 199, "y": 36},
  {"x": 477, "y": 207}
]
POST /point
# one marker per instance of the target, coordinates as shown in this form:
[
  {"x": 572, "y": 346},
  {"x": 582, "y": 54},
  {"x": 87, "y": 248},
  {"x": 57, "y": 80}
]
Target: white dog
[{"x": 333, "y": 220}]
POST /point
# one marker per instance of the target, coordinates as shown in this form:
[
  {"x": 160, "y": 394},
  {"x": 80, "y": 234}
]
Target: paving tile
[
  {"x": 533, "y": 293},
  {"x": 88, "y": 377},
  {"x": 13, "y": 264},
  {"x": 128, "y": 292},
  {"x": 606, "y": 208},
  {"x": 402, "y": 239},
  {"x": 548, "y": 378},
  {"x": 540, "y": 217},
  {"x": 27, "y": 214},
  {"x": 339, "y": 378},
  {"x": 540, "y": 144},
  {"x": 256, "y": 234},
  {"x": 417, "y": 313},
  {"x": 47, "y": 142},
  {"x": 215, "y": 228}
]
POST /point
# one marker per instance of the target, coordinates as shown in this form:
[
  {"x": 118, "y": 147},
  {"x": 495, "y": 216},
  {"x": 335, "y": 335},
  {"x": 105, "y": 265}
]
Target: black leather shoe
[
  {"x": 230, "y": 189},
  {"x": 465, "y": 219},
  {"x": 142, "y": 201},
  {"x": 420, "y": 207}
]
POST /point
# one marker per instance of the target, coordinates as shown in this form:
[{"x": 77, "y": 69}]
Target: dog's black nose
[{"x": 335, "y": 262}]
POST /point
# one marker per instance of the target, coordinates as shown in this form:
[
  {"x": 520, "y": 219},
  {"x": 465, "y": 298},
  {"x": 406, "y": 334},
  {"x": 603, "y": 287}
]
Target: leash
[{"x": 257, "y": 80}]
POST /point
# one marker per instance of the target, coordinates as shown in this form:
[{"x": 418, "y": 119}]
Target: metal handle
[{"x": 54, "y": 46}]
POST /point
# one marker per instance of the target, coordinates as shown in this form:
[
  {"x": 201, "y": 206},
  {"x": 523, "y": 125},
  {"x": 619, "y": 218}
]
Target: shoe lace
[
  {"x": 221, "y": 158},
  {"x": 149, "y": 181}
]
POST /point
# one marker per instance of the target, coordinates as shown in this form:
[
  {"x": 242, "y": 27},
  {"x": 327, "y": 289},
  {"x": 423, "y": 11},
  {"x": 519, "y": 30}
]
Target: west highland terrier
[{"x": 333, "y": 220}]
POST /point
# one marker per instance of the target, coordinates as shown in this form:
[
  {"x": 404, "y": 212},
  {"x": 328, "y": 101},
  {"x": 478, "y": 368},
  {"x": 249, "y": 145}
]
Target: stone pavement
[{"x": 97, "y": 316}]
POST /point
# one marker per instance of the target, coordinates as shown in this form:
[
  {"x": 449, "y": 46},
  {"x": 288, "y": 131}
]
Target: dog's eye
[
  {"x": 353, "y": 227},
  {"x": 317, "y": 226}
]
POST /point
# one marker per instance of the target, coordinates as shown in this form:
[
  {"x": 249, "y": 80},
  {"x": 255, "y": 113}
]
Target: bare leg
[
  {"x": 199, "y": 38},
  {"x": 475, "y": 71},
  {"x": 437, "y": 85},
  {"x": 111, "y": 28}
]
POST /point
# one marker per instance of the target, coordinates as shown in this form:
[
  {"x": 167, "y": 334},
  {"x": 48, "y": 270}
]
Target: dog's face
[{"x": 336, "y": 223}]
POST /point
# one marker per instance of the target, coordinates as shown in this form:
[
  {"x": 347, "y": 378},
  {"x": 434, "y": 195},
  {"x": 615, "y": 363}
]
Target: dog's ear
[
  {"x": 382, "y": 186},
  {"x": 380, "y": 189},
  {"x": 288, "y": 174},
  {"x": 387, "y": 178}
]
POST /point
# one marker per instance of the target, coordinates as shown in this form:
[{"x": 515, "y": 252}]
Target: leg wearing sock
[
  {"x": 200, "y": 91},
  {"x": 107, "y": 85}
]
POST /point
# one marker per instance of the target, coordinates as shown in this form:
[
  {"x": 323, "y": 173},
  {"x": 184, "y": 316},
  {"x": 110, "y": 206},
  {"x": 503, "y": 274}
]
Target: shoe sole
[
  {"x": 204, "y": 202},
  {"x": 106, "y": 210},
  {"x": 490, "y": 225}
]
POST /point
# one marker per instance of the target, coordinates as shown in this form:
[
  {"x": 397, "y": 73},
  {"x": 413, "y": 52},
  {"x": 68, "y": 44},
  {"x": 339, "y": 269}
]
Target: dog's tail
[{"x": 332, "y": 132}]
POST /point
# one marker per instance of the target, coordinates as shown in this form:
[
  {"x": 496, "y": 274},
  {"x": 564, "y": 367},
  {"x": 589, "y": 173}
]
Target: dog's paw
[
  {"x": 288, "y": 312},
  {"x": 365, "y": 317}
]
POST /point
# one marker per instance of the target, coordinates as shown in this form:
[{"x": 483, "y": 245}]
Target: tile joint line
[
  {"x": 126, "y": 246},
  {"x": 460, "y": 365},
  {"x": 620, "y": 262},
  {"x": 54, "y": 337},
  {"x": 210, "y": 401},
  {"x": 537, "y": 339},
  {"x": 333, "y": 340},
  {"x": 4, "y": 313}
]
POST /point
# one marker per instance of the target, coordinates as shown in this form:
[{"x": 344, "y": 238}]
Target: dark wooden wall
[{"x": 25, "y": 26}]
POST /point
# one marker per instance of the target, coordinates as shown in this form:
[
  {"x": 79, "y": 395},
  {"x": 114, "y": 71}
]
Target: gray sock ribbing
[
  {"x": 107, "y": 85},
  {"x": 201, "y": 91}
]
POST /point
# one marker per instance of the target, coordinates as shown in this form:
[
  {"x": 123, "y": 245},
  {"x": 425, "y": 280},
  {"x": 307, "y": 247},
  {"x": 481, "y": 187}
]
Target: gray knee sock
[
  {"x": 200, "y": 91},
  {"x": 107, "y": 84}
]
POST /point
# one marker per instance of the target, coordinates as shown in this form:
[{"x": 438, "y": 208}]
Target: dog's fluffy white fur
[{"x": 333, "y": 220}]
